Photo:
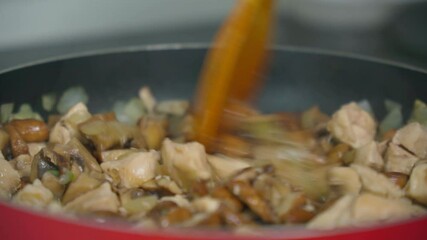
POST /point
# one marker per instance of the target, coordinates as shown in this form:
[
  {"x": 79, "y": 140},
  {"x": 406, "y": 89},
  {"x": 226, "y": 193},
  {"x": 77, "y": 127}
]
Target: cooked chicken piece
[
  {"x": 83, "y": 184},
  {"x": 363, "y": 210},
  {"x": 375, "y": 182},
  {"x": 22, "y": 163},
  {"x": 106, "y": 135},
  {"x": 368, "y": 155},
  {"x": 9, "y": 179},
  {"x": 225, "y": 167},
  {"x": 34, "y": 195},
  {"x": 185, "y": 163},
  {"x": 205, "y": 204},
  {"x": 34, "y": 148},
  {"x": 67, "y": 127},
  {"x": 352, "y": 125},
  {"x": 399, "y": 160},
  {"x": 399, "y": 179},
  {"x": 99, "y": 200},
  {"x": 167, "y": 184},
  {"x": 173, "y": 107},
  {"x": 337, "y": 215},
  {"x": 417, "y": 186},
  {"x": 147, "y": 98},
  {"x": 132, "y": 170},
  {"x": 345, "y": 180},
  {"x": 112, "y": 155},
  {"x": 382, "y": 147},
  {"x": 139, "y": 207},
  {"x": 414, "y": 138},
  {"x": 370, "y": 208}
]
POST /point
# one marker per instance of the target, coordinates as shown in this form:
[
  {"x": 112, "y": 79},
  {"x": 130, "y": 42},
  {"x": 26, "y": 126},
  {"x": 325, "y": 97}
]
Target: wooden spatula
[{"x": 232, "y": 69}]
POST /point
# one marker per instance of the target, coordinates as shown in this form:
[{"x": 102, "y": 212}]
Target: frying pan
[{"x": 297, "y": 79}]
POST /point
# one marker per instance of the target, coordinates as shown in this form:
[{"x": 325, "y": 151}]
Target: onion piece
[
  {"x": 48, "y": 101},
  {"x": 6, "y": 110},
  {"x": 419, "y": 113},
  {"x": 71, "y": 97}
]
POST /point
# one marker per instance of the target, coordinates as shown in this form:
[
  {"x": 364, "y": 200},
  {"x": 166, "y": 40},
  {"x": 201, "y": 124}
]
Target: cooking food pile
[{"x": 140, "y": 163}]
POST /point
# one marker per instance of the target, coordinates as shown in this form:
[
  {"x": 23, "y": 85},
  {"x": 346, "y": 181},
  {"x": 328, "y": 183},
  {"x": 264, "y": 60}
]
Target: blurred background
[{"x": 33, "y": 30}]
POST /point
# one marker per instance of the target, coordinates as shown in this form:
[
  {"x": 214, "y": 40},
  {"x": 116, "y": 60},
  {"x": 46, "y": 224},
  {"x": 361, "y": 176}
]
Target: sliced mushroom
[
  {"x": 162, "y": 185},
  {"x": 211, "y": 221},
  {"x": 414, "y": 138},
  {"x": 352, "y": 125},
  {"x": 47, "y": 160},
  {"x": 368, "y": 155},
  {"x": 34, "y": 195},
  {"x": 175, "y": 216},
  {"x": 250, "y": 174},
  {"x": 17, "y": 143},
  {"x": 201, "y": 188},
  {"x": 67, "y": 127},
  {"x": 161, "y": 209},
  {"x": 76, "y": 152},
  {"x": 225, "y": 167},
  {"x": 153, "y": 129},
  {"x": 52, "y": 182},
  {"x": 377, "y": 183},
  {"x": 296, "y": 208},
  {"x": 417, "y": 185},
  {"x": 181, "y": 127},
  {"x": 345, "y": 180},
  {"x": 4, "y": 139},
  {"x": 132, "y": 170},
  {"x": 83, "y": 184},
  {"x": 99, "y": 200},
  {"x": 338, "y": 152},
  {"x": 234, "y": 218},
  {"x": 247, "y": 194},
  {"x": 9, "y": 179},
  {"x": 399, "y": 160},
  {"x": 31, "y": 130},
  {"x": 179, "y": 200},
  {"x": 272, "y": 189},
  {"x": 227, "y": 198},
  {"x": 185, "y": 163},
  {"x": 167, "y": 184}
]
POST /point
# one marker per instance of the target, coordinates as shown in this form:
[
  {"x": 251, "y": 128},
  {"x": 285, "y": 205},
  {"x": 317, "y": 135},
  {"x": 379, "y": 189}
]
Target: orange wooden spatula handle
[{"x": 233, "y": 67}]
